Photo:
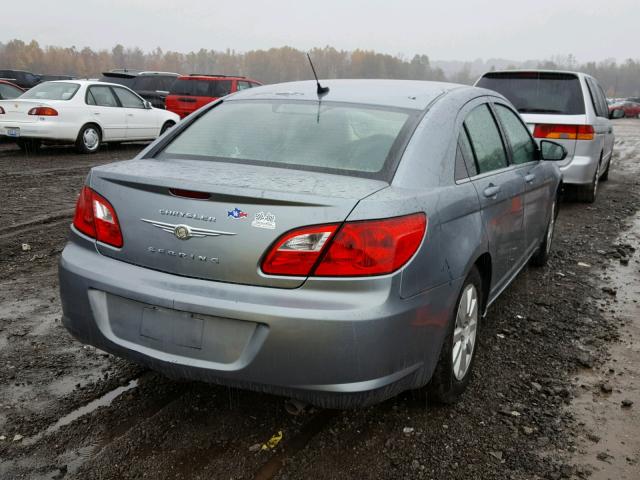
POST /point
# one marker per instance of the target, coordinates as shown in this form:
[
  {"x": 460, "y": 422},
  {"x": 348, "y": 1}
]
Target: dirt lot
[{"x": 556, "y": 374}]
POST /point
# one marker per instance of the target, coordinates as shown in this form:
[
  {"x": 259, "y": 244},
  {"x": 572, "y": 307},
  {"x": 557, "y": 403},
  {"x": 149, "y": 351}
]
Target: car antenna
[{"x": 321, "y": 91}]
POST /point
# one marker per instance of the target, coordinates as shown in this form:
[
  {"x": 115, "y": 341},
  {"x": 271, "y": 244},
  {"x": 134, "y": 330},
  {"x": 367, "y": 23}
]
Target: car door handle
[
  {"x": 130, "y": 114},
  {"x": 529, "y": 178},
  {"x": 491, "y": 191}
]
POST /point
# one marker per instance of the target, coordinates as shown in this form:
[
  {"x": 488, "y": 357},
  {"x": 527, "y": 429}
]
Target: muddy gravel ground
[{"x": 555, "y": 395}]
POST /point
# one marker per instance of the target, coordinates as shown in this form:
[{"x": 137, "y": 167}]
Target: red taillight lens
[
  {"x": 43, "y": 112},
  {"x": 296, "y": 252},
  {"x": 564, "y": 132},
  {"x": 96, "y": 218},
  {"x": 83, "y": 219},
  {"x": 362, "y": 248}
]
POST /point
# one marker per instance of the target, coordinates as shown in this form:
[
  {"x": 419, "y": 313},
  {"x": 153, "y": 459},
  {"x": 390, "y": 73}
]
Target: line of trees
[{"x": 287, "y": 63}]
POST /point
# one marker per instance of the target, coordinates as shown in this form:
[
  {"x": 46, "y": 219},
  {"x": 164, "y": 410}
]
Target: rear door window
[
  {"x": 485, "y": 139},
  {"x": 538, "y": 92},
  {"x": 523, "y": 147},
  {"x": 101, "y": 96}
]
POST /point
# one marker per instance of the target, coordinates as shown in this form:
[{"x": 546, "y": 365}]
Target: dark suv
[
  {"x": 152, "y": 86},
  {"x": 21, "y": 78},
  {"x": 190, "y": 92}
]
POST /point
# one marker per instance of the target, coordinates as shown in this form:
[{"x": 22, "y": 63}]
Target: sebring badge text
[
  {"x": 190, "y": 256},
  {"x": 195, "y": 216}
]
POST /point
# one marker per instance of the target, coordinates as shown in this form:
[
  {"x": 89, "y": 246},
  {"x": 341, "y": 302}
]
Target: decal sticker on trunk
[{"x": 264, "y": 220}]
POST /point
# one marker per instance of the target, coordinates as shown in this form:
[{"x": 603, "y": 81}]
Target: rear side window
[
  {"x": 333, "y": 137},
  {"x": 523, "y": 148},
  {"x": 243, "y": 85},
  {"x": 201, "y": 88},
  {"x": 538, "y": 92},
  {"x": 101, "y": 96},
  {"x": 153, "y": 83},
  {"x": 597, "y": 98},
  {"x": 485, "y": 140}
]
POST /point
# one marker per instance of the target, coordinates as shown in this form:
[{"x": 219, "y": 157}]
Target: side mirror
[
  {"x": 552, "y": 151},
  {"x": 616, "y": 113},
  {"x": 147, "y": 105}
]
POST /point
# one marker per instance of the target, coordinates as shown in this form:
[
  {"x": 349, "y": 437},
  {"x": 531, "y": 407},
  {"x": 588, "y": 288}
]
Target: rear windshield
[
  {"x": 538, "y": 92},
  {"x": 201, "y": 88},
  {"x": 350, "y": 139},
  {"x": 151, "y": 83},
  {"x": 52, "y": 91}
]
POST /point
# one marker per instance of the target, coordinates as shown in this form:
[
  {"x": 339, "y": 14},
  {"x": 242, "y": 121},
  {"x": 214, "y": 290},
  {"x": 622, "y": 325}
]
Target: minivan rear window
[
  {"x": 349, "y": 139},
  {"x": 538, "y": 92},
  {"x": 201, "y": 88}
]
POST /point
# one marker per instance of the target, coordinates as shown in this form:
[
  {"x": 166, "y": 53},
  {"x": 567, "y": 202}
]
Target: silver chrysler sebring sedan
[{"x": 337, "y": 247}]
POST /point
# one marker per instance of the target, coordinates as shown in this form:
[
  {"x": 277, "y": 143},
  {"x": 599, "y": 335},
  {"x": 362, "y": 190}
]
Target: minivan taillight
[
  {"x": 355, "y": 249},
  {"x": 43, "y": 112},
  {"x": 96, "y": 218},
  {"x": 564, "y": 132}
]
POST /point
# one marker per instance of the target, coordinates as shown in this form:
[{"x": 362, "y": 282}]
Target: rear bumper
[
  {"x": 581, "y": 170},
  {"x": 319, "y": 343},
  {"x": 51, "y": 130}
]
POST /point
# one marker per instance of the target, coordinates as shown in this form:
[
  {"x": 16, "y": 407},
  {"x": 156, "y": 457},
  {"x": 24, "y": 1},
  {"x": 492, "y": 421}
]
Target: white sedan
[{"x": 83, "y": 112}]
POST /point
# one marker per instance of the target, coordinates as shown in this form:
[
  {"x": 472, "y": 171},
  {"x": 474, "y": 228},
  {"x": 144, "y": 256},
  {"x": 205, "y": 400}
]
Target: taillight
[
  {"x": 296, "y": 252},
  {"x": 361, "y": 248},
  {"x": 564, "y": 132},
  {"x": 96, "y": 218},
  {"x": 43, "y": 112}
]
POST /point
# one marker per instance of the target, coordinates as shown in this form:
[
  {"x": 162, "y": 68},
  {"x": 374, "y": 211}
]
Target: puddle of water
[{"x": 103, "y": 401}]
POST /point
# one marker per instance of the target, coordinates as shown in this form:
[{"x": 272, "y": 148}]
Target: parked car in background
[
  {"x": 9, "y": 90},
  {"x": 49, "y": 78},
  {"x": 628, "y": 108},
  {"x": 21, "y": 78},
  {"x": 152, "y": 86},
  {"x": 338, "y": 252},
  {"x": 83, "y": 112},
  {"x": 190, "y": 92},
  {"x": 570, "y": 108}
]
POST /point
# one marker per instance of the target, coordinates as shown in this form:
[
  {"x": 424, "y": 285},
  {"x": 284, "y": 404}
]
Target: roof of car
[
  {"x": 534, "y": 70},
  {"x": 412, "y": 94},
  {"x": 8, "y": 82}
]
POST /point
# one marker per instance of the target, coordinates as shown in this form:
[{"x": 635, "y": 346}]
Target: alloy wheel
[{"x": 464, "y": 334}]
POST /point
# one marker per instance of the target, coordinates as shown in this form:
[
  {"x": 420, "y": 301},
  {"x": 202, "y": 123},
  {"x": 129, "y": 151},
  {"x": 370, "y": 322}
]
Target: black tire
[
  {"x": 541, "y": 257},
  {"x": 605, "y": 175},
  {"x": 446, "y": 386},
  {"x": 89, "y": 139},
  {"x": 589, "y": 192},
  {"x": 29, "y": 146},
  {"x": 166, "y": 126}
]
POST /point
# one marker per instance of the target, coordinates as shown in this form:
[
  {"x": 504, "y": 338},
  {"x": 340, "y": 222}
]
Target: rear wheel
[
  {"x": 455, "y": 366},
  {"x": 589, "y": 192},
  {"x": 89, "y": 139},
  {"x": 542, "y": 255}
]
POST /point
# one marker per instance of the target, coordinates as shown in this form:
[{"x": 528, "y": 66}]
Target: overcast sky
[{"x": 443, "y": 29}]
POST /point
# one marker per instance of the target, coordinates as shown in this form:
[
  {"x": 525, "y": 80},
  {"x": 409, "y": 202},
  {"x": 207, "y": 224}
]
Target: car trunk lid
[
  {"x": 247, "y": 209},
  {"x": 17, "y": 110}
]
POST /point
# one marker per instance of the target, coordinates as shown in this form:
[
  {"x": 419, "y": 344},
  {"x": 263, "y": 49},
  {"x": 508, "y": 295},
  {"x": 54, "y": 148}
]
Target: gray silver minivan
[{"x": 569, "y": 108}]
